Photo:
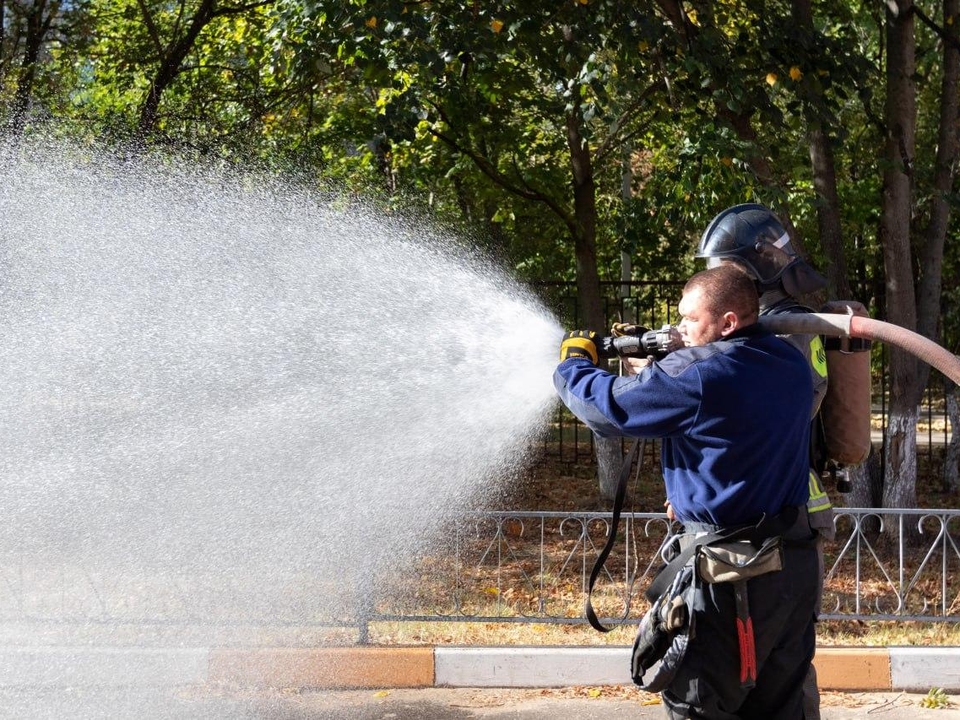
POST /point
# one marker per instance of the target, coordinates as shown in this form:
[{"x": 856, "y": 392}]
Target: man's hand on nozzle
[
  {"x": 633, "y": 365},
  {"x": 580, "y": 344},
  {"x": 669, "y": 339}
]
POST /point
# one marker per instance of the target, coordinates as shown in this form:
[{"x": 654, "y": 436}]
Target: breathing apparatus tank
[{"x": 846, "y": 408}]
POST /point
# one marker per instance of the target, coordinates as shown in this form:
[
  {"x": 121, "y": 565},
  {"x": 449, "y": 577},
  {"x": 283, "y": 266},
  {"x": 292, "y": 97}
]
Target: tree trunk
[
  {"x": 626, "y": 193},
  {"x": 38, "y": 23},
  {"x": 170, "y": 66},
  {"x": 585, "y": 237},
  {"x": 900, "y": 114},
  {"x": 867, "y": 482},
  {"x": 931, "y": 259},
  {"x": 825, "y": 183},
  {"x": 608, "y": 450},
  {"x": 951, "y": 461},
  {"x": 828, "y": 213}
]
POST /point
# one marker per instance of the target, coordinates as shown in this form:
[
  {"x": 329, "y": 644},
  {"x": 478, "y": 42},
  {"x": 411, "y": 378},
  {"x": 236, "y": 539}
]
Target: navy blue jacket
[{"x": 734, "y": 416}]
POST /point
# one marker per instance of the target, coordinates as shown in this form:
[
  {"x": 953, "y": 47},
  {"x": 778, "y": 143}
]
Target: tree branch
[
  {"x": 609, "y": 142},
  {"x": 54, "y": 9},
  {"x": 951, "y": 41},
  {"x": 677, "y": 17},
  {"x": 176, "y": 25},
  {"x": 212, "y": 66},
  {"x": 629, "y": 136},
  {"x": 151, "y": 27},
  {"x": 236, "y": 10},
  {"x": 490, "y": 170}
]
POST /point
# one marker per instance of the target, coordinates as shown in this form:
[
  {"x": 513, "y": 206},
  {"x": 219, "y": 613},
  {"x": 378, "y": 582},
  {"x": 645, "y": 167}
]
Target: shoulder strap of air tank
[{"x": 618, "y": 499}]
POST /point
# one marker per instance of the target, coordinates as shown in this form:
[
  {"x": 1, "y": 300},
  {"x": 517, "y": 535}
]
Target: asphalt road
[{"x": 428, "y": 704}]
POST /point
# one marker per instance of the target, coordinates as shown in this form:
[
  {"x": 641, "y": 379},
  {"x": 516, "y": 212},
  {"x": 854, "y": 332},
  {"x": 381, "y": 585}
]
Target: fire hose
[
  {"x": 854, "y": 326},
  {"x": 658, "y": 343}
]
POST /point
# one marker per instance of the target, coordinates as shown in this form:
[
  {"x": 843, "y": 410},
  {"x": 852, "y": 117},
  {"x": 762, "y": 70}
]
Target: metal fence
[
  {"x": 653, "y": 304},
  {"x": 534, "y": 566},
  {"x": 505, "y": 567}
]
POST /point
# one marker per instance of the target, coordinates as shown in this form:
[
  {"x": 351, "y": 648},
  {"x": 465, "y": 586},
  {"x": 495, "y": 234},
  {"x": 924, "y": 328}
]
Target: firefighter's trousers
[{"x": 782, "y": 608}]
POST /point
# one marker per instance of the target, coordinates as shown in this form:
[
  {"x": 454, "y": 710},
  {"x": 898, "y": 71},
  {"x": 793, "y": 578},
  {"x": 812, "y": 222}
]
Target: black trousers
[{"x": 783, "y": 607}]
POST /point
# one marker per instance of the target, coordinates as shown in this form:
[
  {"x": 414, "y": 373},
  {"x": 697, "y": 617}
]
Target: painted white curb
[
  {"x": 903, "y": 668},
  {"x": 102, "y": 667},
  {"x": 913, "y": 668},
  {"x": 531, "y": 667}
]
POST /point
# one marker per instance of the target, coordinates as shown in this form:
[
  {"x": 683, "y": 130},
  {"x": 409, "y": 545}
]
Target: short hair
[{"x": 726, "y": 288}]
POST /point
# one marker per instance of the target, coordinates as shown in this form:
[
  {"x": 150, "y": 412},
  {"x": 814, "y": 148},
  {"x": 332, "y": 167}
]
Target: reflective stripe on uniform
[
  {"x": 818, "y": 356},
  {"x": 819, "y": 500}
]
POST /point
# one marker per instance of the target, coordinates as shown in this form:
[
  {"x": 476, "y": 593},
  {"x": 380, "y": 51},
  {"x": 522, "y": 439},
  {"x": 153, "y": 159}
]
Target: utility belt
[{"x": 707, "y": 554}]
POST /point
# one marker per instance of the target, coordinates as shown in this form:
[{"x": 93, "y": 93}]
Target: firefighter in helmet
[{"x": 752, "y": 237}]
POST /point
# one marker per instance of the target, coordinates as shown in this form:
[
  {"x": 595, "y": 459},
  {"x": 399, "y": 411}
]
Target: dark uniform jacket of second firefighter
[{"x": 734, "y": 416}]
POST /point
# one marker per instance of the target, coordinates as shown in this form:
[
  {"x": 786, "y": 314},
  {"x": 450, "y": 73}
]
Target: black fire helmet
[{"x": 753, "y": 236}]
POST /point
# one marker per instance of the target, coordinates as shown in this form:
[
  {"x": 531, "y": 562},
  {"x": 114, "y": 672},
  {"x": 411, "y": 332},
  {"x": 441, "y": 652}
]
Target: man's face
[{"x": 699, "y": 326}]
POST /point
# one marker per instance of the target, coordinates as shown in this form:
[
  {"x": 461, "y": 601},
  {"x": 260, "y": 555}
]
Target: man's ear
[{"x": 731, "y": 323}]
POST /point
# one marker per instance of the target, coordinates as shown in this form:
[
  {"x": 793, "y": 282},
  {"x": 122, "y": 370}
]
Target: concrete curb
[
  {"x": 102, "y": 667},
  {"x": 893, "y": 668},
  {"x": 345, "y": 667},
  {"x": 531, "y": 666}
]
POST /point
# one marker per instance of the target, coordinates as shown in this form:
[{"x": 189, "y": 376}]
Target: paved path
[
  {"x": 429, "y": 704},
  {"x": 491, "y": 704}
]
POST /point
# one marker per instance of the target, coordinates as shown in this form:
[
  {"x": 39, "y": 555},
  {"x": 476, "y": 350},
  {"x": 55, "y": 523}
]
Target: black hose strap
[{"x": 618, "y": 499}]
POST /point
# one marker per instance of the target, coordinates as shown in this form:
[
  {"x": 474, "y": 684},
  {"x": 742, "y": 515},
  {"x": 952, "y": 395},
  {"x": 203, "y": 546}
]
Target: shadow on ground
[{"x": 214, "y": 703}]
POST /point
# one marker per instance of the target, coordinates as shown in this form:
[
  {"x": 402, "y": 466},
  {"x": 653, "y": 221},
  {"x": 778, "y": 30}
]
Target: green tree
[{"x": 537, "y": 99}]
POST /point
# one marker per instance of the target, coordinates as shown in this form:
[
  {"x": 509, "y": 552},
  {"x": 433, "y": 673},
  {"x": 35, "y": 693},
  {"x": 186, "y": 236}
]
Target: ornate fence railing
[
  {"x": 534, "y": 566},
  {"x": 504, "y": 567}
]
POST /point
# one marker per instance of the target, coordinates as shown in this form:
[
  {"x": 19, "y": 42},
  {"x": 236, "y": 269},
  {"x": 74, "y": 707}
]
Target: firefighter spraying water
[{"x": 707, "y": 372}]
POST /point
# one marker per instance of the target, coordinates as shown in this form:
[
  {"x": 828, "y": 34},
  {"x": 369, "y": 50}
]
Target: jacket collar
[{"x": 754, "y": 329}]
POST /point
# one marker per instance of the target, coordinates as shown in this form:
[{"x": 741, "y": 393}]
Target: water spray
[{"x": 230, "y": 399}]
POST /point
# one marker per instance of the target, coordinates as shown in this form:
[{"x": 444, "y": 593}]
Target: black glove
[{"x": 579, "y": 344}]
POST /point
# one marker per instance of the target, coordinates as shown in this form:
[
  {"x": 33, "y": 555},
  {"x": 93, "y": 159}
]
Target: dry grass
[{"x": 829, "y": 633}]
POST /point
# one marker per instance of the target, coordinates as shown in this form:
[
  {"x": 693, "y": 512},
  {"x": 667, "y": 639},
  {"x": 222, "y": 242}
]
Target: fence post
[{"x": 364, "y": 609}]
